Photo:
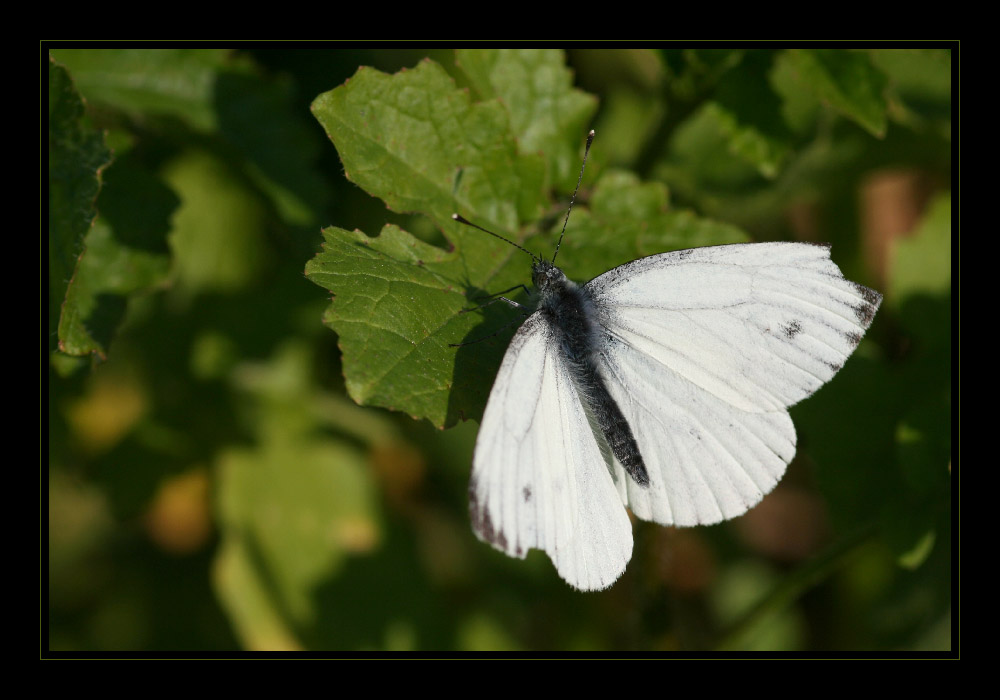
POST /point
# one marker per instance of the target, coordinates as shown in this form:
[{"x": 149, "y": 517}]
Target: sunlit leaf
[
  {"x": 77, "y": 155},
  {"x": 848, "y": 81},
  {"x": 547, "y": 114},
  {"x": 126, "y": 253},
  {"x": 397, "y": 302}
]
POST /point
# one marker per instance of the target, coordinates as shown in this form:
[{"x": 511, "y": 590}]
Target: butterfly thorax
[
  {"x": 569, "y": 309},
  {"x": 571, "y": 315}
]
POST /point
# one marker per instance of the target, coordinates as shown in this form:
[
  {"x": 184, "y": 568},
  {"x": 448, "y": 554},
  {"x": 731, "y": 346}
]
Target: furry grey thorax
[{"x": 572, "y": 317}]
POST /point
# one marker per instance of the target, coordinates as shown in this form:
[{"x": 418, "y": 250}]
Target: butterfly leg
[{"x": 499, "y": 297}]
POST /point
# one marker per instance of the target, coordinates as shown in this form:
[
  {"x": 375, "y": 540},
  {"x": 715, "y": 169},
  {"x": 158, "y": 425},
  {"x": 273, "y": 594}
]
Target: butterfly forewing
[
  {"x": 761, "y": 326},
  {"x": 705, "y": 349}
]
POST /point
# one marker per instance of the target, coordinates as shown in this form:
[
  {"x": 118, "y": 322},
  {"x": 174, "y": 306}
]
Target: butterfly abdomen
[{"x": 573, "y": 318}]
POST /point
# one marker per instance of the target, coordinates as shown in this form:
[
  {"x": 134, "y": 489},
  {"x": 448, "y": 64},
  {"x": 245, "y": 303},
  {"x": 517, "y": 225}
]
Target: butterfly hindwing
[
  {"x": 539, "y": 479},
  {"x": 706, "y": 460}
]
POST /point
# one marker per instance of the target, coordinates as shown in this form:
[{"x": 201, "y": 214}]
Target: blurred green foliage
[{"x": 213, "y": 482}]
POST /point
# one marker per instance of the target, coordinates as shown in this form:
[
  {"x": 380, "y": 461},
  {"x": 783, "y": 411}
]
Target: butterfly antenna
[
  {"x": 590, "y": 140},
  {"x": 462, "y": 220}
]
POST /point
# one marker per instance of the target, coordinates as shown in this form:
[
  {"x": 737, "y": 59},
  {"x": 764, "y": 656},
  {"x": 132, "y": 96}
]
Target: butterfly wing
[
  {"x": 705, "y": 349},
  {"x": 539, "y": 479}
]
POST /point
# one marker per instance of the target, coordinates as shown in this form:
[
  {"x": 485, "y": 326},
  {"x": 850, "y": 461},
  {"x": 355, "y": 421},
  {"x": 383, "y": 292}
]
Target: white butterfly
[{"x": 662, "y": 385}]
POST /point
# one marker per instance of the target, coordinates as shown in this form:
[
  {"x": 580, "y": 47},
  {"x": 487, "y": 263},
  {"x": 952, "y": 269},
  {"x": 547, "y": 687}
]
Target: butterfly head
[{"x": 547, "y": 277}]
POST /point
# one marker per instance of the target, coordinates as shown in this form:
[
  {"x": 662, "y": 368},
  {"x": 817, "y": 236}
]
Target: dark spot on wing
[
  {"x": 792, "y": 329},
  {"x": 482, "y": 523},
  {"x": 853, "y": 338},
  {"x": 835, "y": 367},
  {"x": 526, "y": 492}
]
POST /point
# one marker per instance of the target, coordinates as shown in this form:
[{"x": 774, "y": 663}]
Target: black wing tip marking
[
  {"x": 526, "y": 493},
  {"x": 871, "y": 301},
  {"x": 854, "y": 338}
]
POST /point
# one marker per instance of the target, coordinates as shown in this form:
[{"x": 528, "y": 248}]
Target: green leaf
[
  {"x": 175, "y": 82},
  {"x": 547, "y": 113},
  {"x": 702, "y": 160},
  {"x": 77, "y": 155},
  {"x": 218, "y": 94},
  {"x": 126, "y": 253},
  {"x": 249, "y": 603},
  {"x": 292, "y": 512},
  {"x": 750, "y": 113},
  {"x": 627, "y": 123},
  {"x": 397, "y": 305},
  {"x": 417, "y": 142},
  {"x": 398, "y": 302},
  {"x": 919, "y": 88},
  {"x": 258, "y": 118},
  {"x": 293, "y": 509},
  {"x": 695, "y": 71},
  {"x": 848, "y": 81},
  {"x": 218, "y": 236},
  {"x": 922, "y": 262}
]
